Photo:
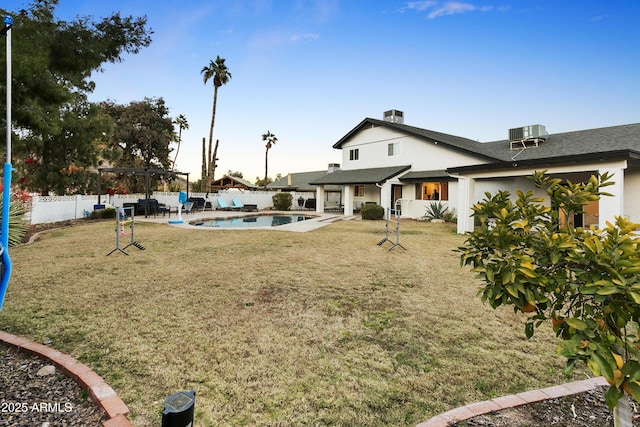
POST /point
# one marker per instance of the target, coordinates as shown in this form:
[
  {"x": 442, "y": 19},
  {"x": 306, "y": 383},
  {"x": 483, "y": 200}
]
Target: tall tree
[
  {"x": 182, "y": 123},
  {"x": 142, "y": 131},
  {"x": 53, "y": 63},
  {"x": 203, "y": 175},
  {"x": 218, "y": 72},
  {"x": 271, "y": 141}
]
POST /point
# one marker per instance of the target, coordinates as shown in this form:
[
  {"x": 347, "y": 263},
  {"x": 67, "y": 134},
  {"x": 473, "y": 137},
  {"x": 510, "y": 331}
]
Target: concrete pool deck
[{"x": 320, "y": 220}]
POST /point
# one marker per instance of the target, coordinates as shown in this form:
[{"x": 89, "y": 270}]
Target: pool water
[{"x": 251, "y": 221}]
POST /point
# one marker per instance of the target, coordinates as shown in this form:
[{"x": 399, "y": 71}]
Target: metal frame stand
[
  {"x": 386, "y": 238},
  {"x": 121, "y": 221}
]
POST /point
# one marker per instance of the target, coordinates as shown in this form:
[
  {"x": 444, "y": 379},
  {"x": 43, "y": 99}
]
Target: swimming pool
[{"x": 251, "y": 221}]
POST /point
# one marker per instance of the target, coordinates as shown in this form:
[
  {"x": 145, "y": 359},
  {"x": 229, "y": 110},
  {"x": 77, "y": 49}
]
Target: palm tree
[
  {"x": 216, "y": 70},
  {"x": 271, "y": 140},
  {"x": 182, "y": 123}
]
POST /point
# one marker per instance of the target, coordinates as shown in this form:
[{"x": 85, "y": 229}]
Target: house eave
[{"x": 548, "y": 162}]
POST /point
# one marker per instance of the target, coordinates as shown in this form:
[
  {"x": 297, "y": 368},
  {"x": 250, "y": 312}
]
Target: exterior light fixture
[{"x": 178, "y": 409}]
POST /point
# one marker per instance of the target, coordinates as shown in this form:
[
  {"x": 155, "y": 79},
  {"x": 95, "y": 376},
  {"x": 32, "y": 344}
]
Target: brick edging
[
  {"x": 505, "y": 402},
  {"x": 99, "y": 391}
]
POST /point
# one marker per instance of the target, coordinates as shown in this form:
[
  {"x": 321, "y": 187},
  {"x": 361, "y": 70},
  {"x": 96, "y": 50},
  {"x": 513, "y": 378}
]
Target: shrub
[
  {"x": 282, "y": 201},
  {"x": 585, "y": 281},
  {"x": 372, "y": 212},
  {"x": 450, "y": 216},
  {"x": 108, "y": 213},
  {"x": 17, "y": 223},
  {"x": 436, "y": 211}
]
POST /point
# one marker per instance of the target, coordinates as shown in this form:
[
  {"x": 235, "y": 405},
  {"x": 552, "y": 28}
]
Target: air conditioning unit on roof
[{"x": 528, "y": 132}]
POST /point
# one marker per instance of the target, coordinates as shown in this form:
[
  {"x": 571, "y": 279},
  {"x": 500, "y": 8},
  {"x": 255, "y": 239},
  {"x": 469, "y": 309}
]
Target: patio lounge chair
[
  {"x": 237, "y": 203},
  {"x": 222, "y": 204}
]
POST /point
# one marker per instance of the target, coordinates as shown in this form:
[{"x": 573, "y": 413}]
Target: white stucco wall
[
  {"x": 631, "y": 196},
  {"x": 373, "y": 143}
]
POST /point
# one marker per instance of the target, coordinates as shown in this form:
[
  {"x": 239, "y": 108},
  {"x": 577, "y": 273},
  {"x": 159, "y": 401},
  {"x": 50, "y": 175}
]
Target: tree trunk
[
  {"x": 266, "y": 165},
  {"x": 214, "y": 159},
  {"x": 175, "y": 159},
  {"x": 203, "y": 176},
  {"x": 622, "y": 413},
  {"x": 211, "y": 162}
]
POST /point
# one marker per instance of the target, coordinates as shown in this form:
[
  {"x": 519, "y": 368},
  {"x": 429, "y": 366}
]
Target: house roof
[
  {"x": 457, "y": 143},
  {"x": 601, "y": 144},
  {"x": 361, "y": 176},
  {"x": 300, "y": 181},
  {"x": 232, "y": 182},
  {"x": 422, "y": 176},
  {"x": 611, "y": 141}
]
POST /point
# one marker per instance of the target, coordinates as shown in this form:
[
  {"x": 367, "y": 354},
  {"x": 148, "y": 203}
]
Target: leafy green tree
[
  {"x": 262, "y": 182},
  {"x": 53, "y": 61},
  {"x": 584, "y": 280},
  {"x": 218, "y": 72},
  {"x": 59, "y": 161},
  {"x": 271, "y": 140},
  {"x": 142, "y": 132}
]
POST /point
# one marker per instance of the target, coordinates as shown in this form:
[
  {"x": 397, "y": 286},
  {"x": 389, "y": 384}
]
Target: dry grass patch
[{"x": 276, "y": 328}]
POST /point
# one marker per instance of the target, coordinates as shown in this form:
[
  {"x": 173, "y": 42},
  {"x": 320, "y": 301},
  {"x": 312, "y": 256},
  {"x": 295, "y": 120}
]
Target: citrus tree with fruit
[{"x": 585, "y": 281}]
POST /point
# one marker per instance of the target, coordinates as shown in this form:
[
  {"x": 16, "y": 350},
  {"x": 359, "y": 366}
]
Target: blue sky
[{"x": 309, "y": 71}]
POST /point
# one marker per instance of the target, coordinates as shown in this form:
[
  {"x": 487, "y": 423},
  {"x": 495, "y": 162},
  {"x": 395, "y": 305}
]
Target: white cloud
[
  {"x": 436, "y": 9},
  {"x": 303, "y": 37},
  {"x": 421, "y": 6}
]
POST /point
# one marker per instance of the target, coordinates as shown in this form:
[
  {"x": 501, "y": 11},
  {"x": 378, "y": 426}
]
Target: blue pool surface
[{"x": 251, "y": 221}]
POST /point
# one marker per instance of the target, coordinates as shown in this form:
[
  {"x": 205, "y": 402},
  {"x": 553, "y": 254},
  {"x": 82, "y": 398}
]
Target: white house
[{"x": 406, "y": 168}]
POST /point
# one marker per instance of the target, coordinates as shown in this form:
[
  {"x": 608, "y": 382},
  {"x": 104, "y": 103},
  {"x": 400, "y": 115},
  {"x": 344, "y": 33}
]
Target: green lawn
[{"x": 276, "y": 328}]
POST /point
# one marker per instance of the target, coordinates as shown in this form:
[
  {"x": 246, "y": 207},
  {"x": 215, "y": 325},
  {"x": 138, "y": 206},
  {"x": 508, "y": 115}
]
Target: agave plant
[
  {"x": 436, "y": 211},
  {"x": 17, "y": 224}
]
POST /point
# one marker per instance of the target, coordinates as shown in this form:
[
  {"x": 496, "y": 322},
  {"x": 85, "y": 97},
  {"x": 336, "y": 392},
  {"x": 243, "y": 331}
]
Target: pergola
[{"x": 146, "y": 172}]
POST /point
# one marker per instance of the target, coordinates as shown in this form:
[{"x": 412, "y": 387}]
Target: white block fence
[{"x": 46, "y": 209}]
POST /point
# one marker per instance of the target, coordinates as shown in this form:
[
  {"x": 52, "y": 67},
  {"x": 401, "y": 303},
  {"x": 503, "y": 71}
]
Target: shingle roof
[
  {"x": 623, "y": 139},
  {"x": 361, "y": 176},
  {"x": 577, "y": 143},
  {"x": 608, "y": 143},
  {"x": 420, "y": 176},
  {"x": 300, "y": 181},
  {"x": 458, "y": 143}
]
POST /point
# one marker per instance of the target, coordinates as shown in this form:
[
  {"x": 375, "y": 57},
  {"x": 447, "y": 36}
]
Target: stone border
[
  {"x": 99, "y": 391},
  {"x": 505, "y": 402}
]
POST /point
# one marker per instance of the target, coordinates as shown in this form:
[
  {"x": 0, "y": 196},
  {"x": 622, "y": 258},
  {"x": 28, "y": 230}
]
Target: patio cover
[
  {"x": 360, "y": 176},
  {"x": 424, "y": 176}
]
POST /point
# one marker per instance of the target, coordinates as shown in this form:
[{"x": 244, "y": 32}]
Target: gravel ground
[
  {"x": 28, "y": 398},
  {"x": 586, "y": 409}
]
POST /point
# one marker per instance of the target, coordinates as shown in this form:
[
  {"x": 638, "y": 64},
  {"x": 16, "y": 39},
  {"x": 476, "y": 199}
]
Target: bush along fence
[{"x": 47, "y": 209}]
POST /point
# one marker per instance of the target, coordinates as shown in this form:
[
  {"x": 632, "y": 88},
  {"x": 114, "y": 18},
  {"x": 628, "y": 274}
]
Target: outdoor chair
[
  {"x": 187, "y": 207},
  {"x": 310, "y": 204},
  {"x": 198, "y": 203},
  {"x": 237, "y": 203},
  {"x": 222, "y": 204},
  {"x": 151, "y": 207}
]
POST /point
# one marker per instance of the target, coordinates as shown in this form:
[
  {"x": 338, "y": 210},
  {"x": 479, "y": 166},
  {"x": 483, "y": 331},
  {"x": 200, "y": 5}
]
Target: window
[
  {"x": 354, "y": 154},
  {"x": 392, "y": 149},
  {"x": 432, "y": 191},
  {"x": 358, "y": 191}
]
